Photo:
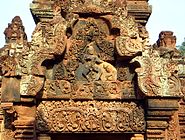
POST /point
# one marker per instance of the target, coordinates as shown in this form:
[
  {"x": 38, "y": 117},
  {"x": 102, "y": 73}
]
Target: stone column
[
  {"x": 181, "y": 115},
  {"x": 44, "y": 137},
  {"x": 1, "y": 123},
  {"x": 137, "y": 137},
  {"x": 25, "y": 122},
  {"x": 158, "y": 116}
]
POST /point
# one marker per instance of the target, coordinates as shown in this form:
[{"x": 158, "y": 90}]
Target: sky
[{"x": 167, "y": 15}]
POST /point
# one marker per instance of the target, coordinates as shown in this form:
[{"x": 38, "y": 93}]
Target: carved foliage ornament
[
  {"x": 157, "y": 75},
  {"x": 15, "y": 31},
  {"x": 87, "y": 90},
  {"x": 131, "y": 40},
  {"x": 89, "y": 116}
]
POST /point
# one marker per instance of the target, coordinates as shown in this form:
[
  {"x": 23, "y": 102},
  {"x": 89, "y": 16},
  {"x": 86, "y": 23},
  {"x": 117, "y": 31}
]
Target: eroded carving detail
[
  {"x": 77, "y": 72},
  {"x": 173, "y": 128},
  {"x": 89, "y": 116},
  {"x": 87, "y": 90},
  {"x": 131, "y": 41},
  {"x": 157, "y": 75},
  {"x": 93, "y": 68},
  {"x": 31, "y": 85}
]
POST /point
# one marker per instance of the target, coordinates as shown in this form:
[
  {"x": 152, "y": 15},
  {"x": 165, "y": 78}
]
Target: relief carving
[
  {"x": 87, "y": 90},
  {"x": 166, "y": 40},
  {"x": 11, "y": 53},
  {"x": 89, "y": 69},
  {"x": 173, "y": 128},
  {"x": 157, "y": 75},
  {"x": 94, "y": 69},
  {"x": 89, "y": 116},
  {"x": 130, "y": 42},
  {"x": 15, "y": 31},
  {"x": 31, "y": 85}
]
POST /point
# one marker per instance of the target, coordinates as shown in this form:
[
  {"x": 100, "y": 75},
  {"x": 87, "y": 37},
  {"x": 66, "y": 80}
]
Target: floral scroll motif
[
  {"x": 157, "y": 75},
  {"x": 89, "y": 116}
]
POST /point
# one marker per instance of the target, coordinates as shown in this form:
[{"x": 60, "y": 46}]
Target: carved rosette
[{"x": 89, "y": 116}]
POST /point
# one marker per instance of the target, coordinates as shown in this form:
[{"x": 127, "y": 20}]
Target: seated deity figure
[
  {"x": 90, "y": 69},
  {"x": 93, "y": 68},
  {"x": 109, "y": 73}
]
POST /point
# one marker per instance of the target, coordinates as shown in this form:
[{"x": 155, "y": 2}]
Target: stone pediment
[{"x": 89, "y": 69}]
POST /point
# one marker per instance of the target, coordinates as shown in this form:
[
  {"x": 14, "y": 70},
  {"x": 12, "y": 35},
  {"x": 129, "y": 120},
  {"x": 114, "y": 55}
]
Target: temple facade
[{"x": 89, "y": 72}]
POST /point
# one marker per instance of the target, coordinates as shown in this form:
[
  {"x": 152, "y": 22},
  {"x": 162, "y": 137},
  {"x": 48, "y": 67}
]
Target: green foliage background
[{"x": 181, "y": 48}]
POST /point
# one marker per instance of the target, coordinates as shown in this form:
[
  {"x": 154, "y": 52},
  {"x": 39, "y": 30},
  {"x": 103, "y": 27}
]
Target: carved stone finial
[
  {"x": 166, "y": 39},
  {"x": 15, "y": 31}
]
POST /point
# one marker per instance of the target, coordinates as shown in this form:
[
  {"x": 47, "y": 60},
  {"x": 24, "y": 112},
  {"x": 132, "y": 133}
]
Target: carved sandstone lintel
[{"x": 89, "y": 116}]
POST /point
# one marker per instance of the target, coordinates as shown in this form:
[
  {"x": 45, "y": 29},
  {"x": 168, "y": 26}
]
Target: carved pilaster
[
  {"x": 173, "y": 131},
  {"x": 181, "y": 115},
  {"x": 6, "y": 125},
  {"x": 44, "y": 137},
  {"x": 1, "y": 123},
  {"x": 138, "y": 137},
  {"x": 159, "y": 114},
  {"x": 25, "y": 122},
  {"x": 24, "y": 130}
]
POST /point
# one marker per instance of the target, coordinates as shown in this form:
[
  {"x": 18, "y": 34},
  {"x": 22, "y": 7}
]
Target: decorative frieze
[
  {"x": 89, "y": 116},
  {"x": 62, "y": 89}
]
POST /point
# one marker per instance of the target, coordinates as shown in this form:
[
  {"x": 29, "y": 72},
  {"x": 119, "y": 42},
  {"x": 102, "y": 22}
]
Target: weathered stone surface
[
  {"x": 15, "y": 31},
  {"x": 166, "y": 39},
  {"x": 157, "y": 75},
  {"x": 140, "y": 9},
  {"x": 10, "y": 90},
  {"x": 91, "y": 116},
  {"x": 90, "y": 68},
  {"x": 61, "y": 89}
]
